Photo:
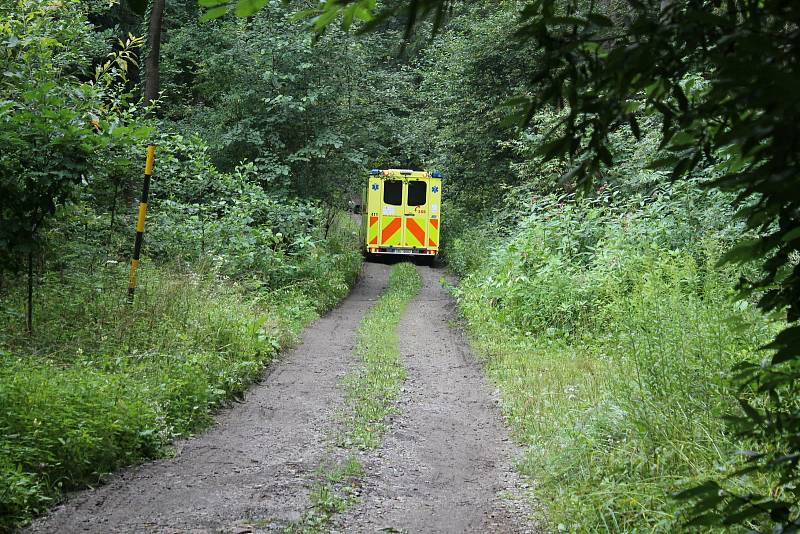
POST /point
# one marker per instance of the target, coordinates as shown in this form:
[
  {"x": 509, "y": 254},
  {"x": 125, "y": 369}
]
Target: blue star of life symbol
[
  {"x": 375, "y": 187},
  {"x": 435, "y": 188}
]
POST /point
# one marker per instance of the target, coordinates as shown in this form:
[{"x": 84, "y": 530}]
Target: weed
[
  {"x": 334, "y": 492},
  {"x": 350, "y": 468},
  {"x": 371, "y": 390}
]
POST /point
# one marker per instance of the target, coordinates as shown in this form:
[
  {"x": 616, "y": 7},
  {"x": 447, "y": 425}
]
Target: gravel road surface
[{"x": 255, "y": 462}]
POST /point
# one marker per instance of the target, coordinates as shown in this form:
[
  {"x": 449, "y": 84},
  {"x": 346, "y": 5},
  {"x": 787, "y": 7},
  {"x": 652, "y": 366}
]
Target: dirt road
[
  {"x": 444, "y": 467},
  {"x": 446, "y": 464}
]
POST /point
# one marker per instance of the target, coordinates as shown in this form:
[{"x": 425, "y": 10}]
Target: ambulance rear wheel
[{"x": 427, "y": 260}]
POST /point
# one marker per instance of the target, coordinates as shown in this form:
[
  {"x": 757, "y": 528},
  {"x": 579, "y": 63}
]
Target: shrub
[{"x": 610, "y": 331}]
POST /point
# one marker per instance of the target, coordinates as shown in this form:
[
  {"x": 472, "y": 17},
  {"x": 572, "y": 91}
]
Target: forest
[{"x": 621, "y": 211}]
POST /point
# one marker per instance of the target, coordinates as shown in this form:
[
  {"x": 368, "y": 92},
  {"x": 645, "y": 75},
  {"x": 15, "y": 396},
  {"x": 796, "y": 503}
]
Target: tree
[
  {"x": 152, "y": 71},
  {"x": 56, "y": 121},
  {"x": 311, "y": 117},
  {"x": 48, "y": 126}
]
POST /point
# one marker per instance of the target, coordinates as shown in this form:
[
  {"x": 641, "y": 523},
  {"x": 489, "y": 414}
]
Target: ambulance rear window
[
  {"x": 393, "y": 192},
  {"x": 417, "y": 191}
]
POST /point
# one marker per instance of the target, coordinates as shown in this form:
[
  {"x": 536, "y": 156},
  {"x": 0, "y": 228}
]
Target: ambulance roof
[{"x": 405, "y": 172}]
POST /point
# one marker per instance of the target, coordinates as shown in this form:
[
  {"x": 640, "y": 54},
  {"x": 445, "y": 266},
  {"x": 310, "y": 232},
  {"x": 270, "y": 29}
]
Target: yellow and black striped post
[{"x": 137, "y": 246}]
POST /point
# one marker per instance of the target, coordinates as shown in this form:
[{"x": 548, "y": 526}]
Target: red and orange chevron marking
[
  {"x": 416, "y": 231},
  {"x": 373, "y": 232},
  {"x": 433, "y": 230},
  {"x": 390, "y": 229}
]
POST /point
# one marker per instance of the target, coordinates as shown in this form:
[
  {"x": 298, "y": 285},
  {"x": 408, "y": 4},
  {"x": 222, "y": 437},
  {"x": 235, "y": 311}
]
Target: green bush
[{"x": 610, "y": 331}]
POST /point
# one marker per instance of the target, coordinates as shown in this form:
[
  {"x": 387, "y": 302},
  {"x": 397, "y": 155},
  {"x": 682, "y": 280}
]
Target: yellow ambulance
[{"x": 402, "y": 212}]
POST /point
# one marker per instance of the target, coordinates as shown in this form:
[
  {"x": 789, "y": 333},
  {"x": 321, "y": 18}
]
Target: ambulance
[{"x": 402, "y": 212}]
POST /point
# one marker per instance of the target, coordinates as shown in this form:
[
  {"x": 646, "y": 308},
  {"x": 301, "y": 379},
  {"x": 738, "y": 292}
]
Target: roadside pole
[
  {"x": 151, "y": 86},
  {"x": 137, "y": 246}
]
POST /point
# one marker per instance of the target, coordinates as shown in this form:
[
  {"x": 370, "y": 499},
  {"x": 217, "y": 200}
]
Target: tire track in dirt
[
  {"x": 254, "y": 466},
  {"x": 447, "y": 462}
]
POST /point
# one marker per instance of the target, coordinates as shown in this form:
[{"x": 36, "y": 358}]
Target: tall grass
[
  {"x": 103, "y": 384},
  {"x": 611, "y": 340}
]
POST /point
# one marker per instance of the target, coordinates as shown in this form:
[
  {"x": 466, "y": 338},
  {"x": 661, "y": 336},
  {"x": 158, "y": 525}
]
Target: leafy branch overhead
[{"x": 328, "y": 11}]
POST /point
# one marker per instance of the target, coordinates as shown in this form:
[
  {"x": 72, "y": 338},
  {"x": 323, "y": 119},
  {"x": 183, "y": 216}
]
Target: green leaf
[
  {"x": 605, "y": 155},
  {"x": 786, "y": 344},
  {"x": 706, "y": 488},
  {"x": 667, "y": 162},
  {"x": 363, "y": 13},
  {"x": 632, "y": 106},
  {"x": 214, "y": 13},
  {"x": 683, "y": 138},
  {"x": 303, "y": 14},
  {"x": 553, "y": 148},
  {"x": 744, "y": 251},
  {"x": 347, "y": 18},
  {"x": 245, "y": 8},
  {"x": 751, "y": 412},
  {"x": 791, "y": 235},
  {"x": 321, "y": 22}
]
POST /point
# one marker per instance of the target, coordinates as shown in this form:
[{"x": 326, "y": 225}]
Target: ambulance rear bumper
[{"x": 402, "y": 250}]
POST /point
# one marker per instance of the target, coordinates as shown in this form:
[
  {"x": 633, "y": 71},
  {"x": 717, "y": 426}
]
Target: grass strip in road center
[
  {"x": 370, "y": 394},
  {"x": 372, "y": 389}
]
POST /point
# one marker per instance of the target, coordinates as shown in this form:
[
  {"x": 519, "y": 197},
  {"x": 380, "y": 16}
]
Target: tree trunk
[{"x": 151, "y": 66}]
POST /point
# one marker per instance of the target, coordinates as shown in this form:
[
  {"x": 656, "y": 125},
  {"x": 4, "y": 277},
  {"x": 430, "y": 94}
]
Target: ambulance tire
[{"x": 427, "y": 261}]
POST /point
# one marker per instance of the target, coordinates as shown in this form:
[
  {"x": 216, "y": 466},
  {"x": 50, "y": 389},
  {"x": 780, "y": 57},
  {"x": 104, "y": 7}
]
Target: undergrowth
[
  {"x": 372, "y": 390},
  {"x": 610, "y": 332},
  {"x": 102, "y": 384}
]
